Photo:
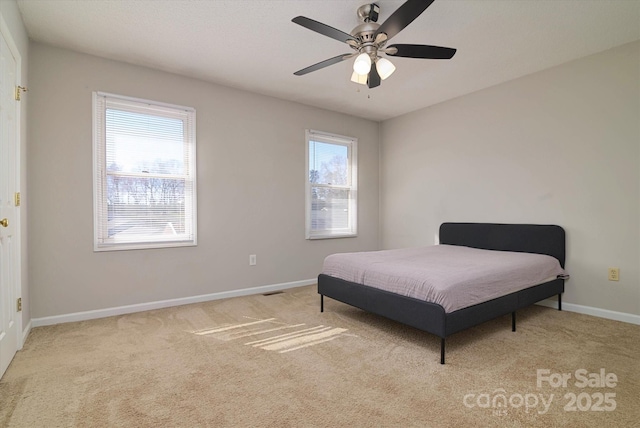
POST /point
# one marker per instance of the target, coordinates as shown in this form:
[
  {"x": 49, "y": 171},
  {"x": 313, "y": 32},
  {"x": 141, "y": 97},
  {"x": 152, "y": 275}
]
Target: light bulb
[
  {"x": 359, "y": 78},
  {"x": 362, "y": 64},
  {"x": 385, "y": 68}
]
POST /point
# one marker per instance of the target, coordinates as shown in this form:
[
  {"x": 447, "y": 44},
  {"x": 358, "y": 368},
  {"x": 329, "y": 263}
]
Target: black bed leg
[
  {"x": 322, "y": 303},
  {"x": 559, "y": 302},
  {"x": 513, "y": 321},
  {"x": 442, "y": 350}
]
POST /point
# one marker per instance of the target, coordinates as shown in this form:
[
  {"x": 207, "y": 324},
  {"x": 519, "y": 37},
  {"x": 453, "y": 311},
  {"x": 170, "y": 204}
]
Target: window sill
[
  {"x": 333, "y": 236},
  {"x": 142, "y": 246}
]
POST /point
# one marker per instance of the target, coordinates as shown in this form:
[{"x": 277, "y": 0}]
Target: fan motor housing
[{"x": 365, "y": 32}]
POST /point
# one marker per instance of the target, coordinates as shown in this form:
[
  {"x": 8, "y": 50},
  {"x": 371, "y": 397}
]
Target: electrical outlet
[
  {"x": 252, "y": 260},
  {"x": 614, "y": 274}
]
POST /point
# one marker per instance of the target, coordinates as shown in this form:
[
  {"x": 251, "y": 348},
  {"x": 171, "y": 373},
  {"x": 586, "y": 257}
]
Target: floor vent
[{"x": 272, "y": 293}]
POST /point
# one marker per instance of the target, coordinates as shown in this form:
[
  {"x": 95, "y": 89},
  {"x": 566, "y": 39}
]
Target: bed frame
[{"x": 431, "y": 317}]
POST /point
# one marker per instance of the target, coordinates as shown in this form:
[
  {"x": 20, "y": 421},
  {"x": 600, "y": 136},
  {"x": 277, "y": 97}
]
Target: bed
[{"x": 433, "y": 317}]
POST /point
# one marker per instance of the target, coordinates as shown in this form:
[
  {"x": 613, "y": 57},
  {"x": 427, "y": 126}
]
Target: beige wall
[
  {"x": 560, "y": 146},
  {"x": 11, "y": 16},
  {"x": 251, "y": 193}
]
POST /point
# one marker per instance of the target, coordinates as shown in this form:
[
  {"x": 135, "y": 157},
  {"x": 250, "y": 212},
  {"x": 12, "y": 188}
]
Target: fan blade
[
  {"x": 323, "y": 64},
  {"x": 323, "y": 29},
  {"x": 422, "y": 51},
  {"x": 374, "y": 77},
  {"x": 403, "y": 16}
]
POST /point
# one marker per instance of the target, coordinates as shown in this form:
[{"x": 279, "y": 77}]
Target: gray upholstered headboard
[{"x": 524, "y": 238}]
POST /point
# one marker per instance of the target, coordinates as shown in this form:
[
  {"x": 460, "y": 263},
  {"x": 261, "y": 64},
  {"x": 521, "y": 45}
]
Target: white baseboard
[
  {"x": 25, "y": 334},
  {"x": 120, "y": 310},
  {"x": 596, "y": 312}
]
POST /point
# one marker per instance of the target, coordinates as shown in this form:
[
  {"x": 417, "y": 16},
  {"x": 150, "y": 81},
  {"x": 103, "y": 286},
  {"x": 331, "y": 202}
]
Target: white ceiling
[{"x": 253, "y": 45}]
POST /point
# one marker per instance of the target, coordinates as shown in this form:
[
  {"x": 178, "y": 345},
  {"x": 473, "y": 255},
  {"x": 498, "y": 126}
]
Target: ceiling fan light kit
[
  {"x": 362, "y": 64},
  {"x": 359, "y": 78},
  {"x": 385, "y": 68},
  {"x": 368, "y": 40}
]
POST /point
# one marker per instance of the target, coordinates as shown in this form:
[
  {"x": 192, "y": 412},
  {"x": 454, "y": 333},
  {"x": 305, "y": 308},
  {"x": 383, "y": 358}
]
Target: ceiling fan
[{"x": 369, "y": 40}]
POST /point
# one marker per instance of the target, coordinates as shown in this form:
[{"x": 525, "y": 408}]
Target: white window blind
[
  {"x": 144, "y": 173},
  {"x": 331, "y": 203}
]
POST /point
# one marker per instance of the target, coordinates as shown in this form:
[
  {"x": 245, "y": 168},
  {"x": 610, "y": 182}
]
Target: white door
[{"x": 9, "y": 242}]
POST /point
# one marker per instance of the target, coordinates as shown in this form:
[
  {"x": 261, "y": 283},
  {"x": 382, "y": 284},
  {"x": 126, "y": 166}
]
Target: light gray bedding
[{"x": 452, "y": 276}]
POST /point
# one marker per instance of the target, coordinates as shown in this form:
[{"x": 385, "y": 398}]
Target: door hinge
[
  {"x": 17, "y": 199},
  {"x": 19, "y": 304},
  {"x": 18, "y": 90}
]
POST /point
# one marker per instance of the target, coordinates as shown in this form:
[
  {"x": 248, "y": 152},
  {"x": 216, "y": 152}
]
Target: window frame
[
  {"x": 101, "y": 241},
  {"x": 352, "y": 177}
]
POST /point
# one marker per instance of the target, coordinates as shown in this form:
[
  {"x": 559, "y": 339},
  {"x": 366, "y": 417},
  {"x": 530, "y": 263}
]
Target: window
[
  {"x": 331, "y": 186},
  {"x": 144, "y": 162}
]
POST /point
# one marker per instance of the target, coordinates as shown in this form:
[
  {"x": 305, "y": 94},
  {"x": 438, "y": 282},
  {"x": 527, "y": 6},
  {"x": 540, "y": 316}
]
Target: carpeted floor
[{"x": 277, "y": 361}]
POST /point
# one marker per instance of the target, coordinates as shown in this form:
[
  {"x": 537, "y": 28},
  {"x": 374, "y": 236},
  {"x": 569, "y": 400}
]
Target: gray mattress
[{"x": 451, "y": 276}]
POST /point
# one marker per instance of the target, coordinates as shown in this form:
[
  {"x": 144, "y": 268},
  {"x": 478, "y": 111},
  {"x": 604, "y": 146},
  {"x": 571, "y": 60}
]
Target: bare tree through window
[
  {"x": 331, "y": 184},
  {"x": 148, "y": 174}
]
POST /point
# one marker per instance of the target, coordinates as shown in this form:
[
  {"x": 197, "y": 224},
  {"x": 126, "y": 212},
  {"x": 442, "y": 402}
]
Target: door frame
[{"x": 6, "y": 33}]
